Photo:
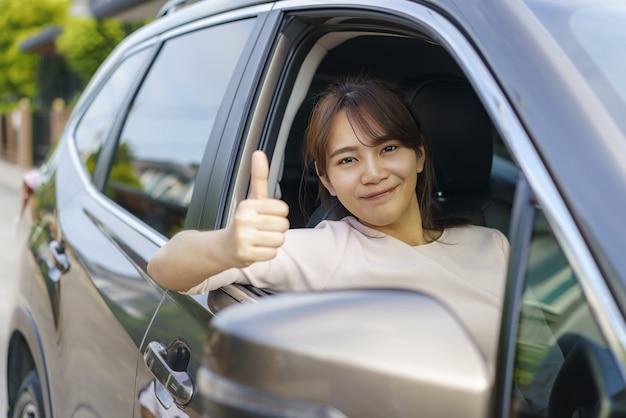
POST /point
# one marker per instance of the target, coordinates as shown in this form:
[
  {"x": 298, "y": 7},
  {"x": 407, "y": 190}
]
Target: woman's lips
[{"x": 379, "y": 194}]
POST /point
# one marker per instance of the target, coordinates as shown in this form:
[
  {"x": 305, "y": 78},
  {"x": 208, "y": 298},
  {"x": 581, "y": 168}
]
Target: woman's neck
[{"x": 408, "y": 230}]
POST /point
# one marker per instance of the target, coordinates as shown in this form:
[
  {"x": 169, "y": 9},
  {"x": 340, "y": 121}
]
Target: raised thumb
[{"x": 259, "y": 172}]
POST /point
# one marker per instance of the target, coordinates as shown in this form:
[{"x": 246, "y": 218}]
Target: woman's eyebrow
[
  {"x": 353, "y": 148},
  {"x": 341, "y": 150}
]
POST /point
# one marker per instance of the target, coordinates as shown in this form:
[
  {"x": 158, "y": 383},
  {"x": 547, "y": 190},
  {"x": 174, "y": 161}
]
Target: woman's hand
[
  {"x": 259, "y": 225},
  {"x": 255, "y": 234}
]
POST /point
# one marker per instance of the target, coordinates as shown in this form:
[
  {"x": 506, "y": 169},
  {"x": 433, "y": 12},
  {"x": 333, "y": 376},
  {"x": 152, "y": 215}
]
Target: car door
[
  {"x": 297, "y": 69},
  {"x": 197, "y": 89},
  {"x": 279, "y": 106},
  {"x": 561, "y": 334}
]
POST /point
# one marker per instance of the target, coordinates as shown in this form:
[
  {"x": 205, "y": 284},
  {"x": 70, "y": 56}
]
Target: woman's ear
[
  {"x": 325, "y": 181},
  {"x": 421, "y": 159}
]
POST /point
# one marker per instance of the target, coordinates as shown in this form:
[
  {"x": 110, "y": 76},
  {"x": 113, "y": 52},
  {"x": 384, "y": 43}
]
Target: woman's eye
[
  {"x": 389, "y": 148},
  {"x": 346, "y": 160}
]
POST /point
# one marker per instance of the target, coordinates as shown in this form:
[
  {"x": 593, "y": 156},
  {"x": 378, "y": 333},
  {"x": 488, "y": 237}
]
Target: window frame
[
  {"x": 92, "y": 92},
  {"x": 224, "y": 152},
  {"x": 131, "y": 130},
  {"x": 97, "y": 183}
]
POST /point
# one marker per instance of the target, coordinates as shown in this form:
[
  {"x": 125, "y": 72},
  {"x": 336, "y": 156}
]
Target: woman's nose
[{"x": 373, "y": 171}]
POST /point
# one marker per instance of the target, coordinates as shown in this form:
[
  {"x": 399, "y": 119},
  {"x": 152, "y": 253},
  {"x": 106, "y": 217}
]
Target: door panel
[
  {"x": 162, "y": 142},
  {"x": 99, "y": 308}
]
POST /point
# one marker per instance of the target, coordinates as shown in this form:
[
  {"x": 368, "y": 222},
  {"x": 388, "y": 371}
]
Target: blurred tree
[
  {"x": 86, "y": 42},
  {"x": 20, "y": 19}
]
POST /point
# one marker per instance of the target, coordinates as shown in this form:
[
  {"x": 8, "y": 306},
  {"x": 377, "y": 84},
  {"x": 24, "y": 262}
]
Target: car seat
[{"x": 461, "y": 137}]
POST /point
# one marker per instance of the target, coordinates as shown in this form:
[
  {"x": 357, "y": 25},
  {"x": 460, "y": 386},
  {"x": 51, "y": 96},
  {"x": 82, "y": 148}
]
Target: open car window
[{"x": 476, "y": 174}]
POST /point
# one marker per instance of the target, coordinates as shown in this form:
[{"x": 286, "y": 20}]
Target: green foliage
[
  {"x": 122, "y": 170},
  {"x": 20, "y": 19},
  {"x": 86, "y": 42}
]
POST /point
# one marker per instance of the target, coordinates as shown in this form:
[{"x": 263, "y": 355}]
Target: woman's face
[{"x": 375, "y": 183}]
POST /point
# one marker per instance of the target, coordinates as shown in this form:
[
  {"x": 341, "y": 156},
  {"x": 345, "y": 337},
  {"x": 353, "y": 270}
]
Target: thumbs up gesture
[{"x": 260, "y": 223}]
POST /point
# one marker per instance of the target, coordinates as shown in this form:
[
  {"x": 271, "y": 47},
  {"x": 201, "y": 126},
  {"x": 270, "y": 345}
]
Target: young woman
[{"x": 370, "y": 156}]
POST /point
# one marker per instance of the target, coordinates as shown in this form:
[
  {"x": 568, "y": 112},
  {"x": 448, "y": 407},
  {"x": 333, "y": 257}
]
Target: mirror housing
[{"x": 357, "y": 353}]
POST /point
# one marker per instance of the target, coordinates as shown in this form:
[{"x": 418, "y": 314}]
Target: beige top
[{"x": 465, "y": 269}]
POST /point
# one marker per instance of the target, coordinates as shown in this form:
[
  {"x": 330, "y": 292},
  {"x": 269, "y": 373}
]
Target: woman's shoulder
[
  {"x": 475, "y": 234},
  {"x": 471, "y": 229}
]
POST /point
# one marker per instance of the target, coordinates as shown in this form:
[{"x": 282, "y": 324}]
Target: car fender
[{"x": 23, "y": 325}]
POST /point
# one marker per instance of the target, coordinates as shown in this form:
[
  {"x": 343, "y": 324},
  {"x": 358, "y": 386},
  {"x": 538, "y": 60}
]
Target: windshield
[{"x": 593, "y": 35}]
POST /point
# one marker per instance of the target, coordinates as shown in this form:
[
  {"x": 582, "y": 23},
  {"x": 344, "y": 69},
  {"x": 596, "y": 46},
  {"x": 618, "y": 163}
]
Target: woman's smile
[{"x": 379, "y": 195}]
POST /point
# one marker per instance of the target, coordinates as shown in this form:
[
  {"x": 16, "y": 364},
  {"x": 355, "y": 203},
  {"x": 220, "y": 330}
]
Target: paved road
[{"x": 10, "y": 187}]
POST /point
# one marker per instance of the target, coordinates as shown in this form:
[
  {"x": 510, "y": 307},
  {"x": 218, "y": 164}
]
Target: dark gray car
[{"x": 523, "y": 102}]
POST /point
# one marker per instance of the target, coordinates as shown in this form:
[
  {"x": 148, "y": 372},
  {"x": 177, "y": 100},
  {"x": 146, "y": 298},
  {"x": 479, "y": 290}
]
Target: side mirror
[{"x": 370, "y": 353}]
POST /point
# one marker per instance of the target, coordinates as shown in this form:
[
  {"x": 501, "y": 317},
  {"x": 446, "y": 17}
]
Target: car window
[
  {"x": 169, "y": 123},
  {"x": 562, "y": 362},
  {"x": 95, "y": 125}
]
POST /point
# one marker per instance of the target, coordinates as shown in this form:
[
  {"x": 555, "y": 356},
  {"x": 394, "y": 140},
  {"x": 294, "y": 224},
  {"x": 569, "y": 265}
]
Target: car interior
[{"x": 475, "y": 176}]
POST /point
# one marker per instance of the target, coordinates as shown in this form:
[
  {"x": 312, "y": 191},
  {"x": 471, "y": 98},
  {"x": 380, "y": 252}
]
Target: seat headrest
[{"x": 457, "y": 128}]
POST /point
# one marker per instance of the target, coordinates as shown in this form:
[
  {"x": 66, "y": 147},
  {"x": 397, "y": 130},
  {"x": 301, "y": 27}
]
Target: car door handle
[
  {"x": 168, "y": 366},
  {"x": 61, "y": 260}
]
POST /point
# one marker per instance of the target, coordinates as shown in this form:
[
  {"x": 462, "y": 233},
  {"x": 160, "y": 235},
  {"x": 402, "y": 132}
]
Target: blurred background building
[
  {"x": 30, "y": 127},
  {"x": 55, "y": 80}
]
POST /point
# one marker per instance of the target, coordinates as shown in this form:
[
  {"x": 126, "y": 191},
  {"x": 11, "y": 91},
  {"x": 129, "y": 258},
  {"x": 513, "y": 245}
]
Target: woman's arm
[{"x": 255, "y": 234}]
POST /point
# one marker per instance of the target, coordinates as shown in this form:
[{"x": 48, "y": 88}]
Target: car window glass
[
  {"x": 170, "y": 121},
  {"x": 562, "y": 363},
  {"x": 96, "y": 123}
]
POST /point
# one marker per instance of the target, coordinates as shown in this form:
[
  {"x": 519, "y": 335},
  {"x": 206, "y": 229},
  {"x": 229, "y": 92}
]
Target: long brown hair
[{"x": 377, "y": 112}]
